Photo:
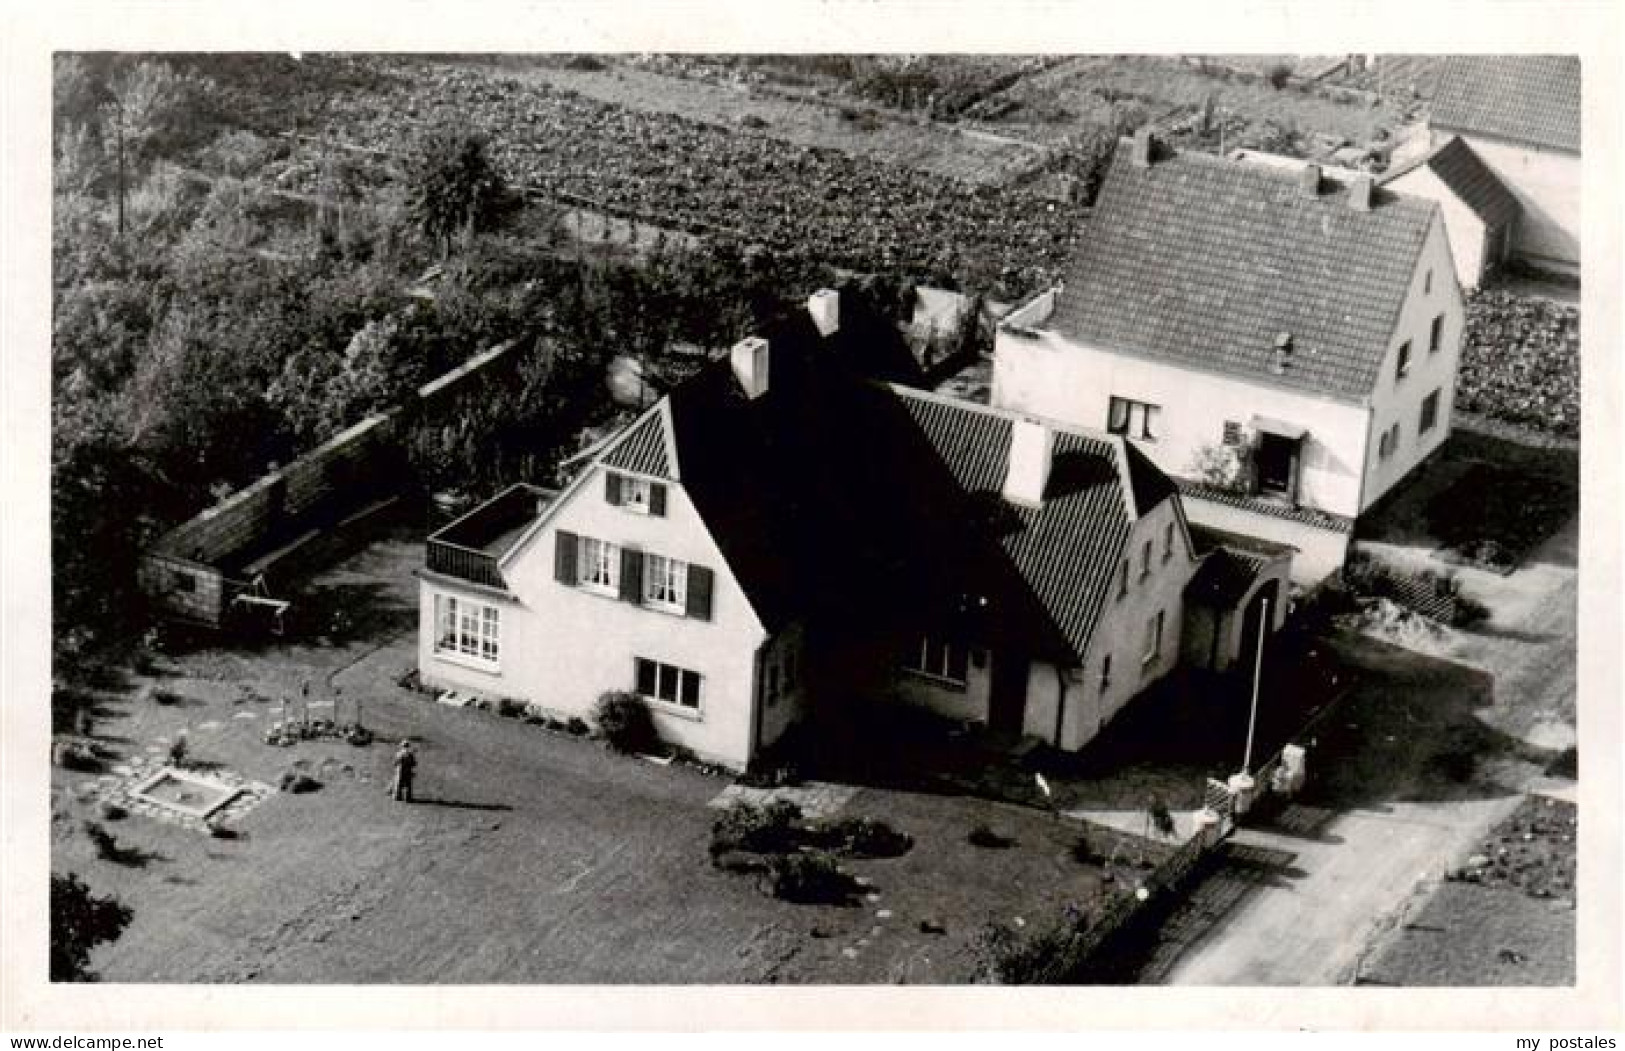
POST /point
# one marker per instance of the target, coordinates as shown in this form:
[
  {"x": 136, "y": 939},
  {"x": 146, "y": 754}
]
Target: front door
[
  {"x": 1277, "y": 463},
  {"x": 1007, "y": 694}
]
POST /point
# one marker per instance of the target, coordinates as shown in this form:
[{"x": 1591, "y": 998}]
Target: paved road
[{"x": 1322, "y": 896}]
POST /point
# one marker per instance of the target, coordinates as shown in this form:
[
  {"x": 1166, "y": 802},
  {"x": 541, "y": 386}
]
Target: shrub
[
  {"x": 297, "y": 783},
  {"x": 178, "y": 749},
  {"x": 983, "y": 836},
  {"x": 1085, "y": 853},
  {"x": 509, "y": 708},
  {"x": 1007, "y": 957},
  {"x": 577, "y": 727},
  {"x": 771, "y": 829},
  {"x": 107, "y": 847},
  {"x": 809, "y": 878},
  {"x": 585, "y": 64},
  {"x": 1278, "y": 74},
  {"x": 113, "y": 812},
  {"x": 77, "y": 756},
  {"x": 80, "y": 921},
  {"x": 862, "y": 837},
  {"x": 623, "y": 720}
]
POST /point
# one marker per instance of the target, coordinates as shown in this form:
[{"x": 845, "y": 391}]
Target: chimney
[
  {"x": 1031, "y": 449},
  {"x": 1309, "y": 180},
  {"x": 1360, "y": 193},
  {"x": 1144, "y": 147},
  {"x": 825, "y": 307},
  {"x": 1283, "y": 353},
  {"x": 749, "y": 360}
]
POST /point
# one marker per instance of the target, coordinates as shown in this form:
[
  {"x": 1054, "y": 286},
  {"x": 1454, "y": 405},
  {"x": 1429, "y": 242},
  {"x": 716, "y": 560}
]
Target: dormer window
[{"x": 638, "y": 495}]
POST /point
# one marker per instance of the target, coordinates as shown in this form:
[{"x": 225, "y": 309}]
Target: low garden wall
[{"x": 192, "y": 572}]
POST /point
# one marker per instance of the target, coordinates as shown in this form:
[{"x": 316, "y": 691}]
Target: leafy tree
[
  {"x": 455, "y": 191},
  {"x": 80, "y": 921}
]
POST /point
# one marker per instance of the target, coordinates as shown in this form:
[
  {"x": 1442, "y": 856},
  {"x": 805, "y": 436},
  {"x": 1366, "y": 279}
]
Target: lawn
[
  {"x": 531, "y": 856},
  {"x": 1492, "y": 516}
]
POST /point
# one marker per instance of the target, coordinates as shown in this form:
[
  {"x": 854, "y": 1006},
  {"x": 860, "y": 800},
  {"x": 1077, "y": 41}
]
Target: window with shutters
[
  {"x": 638, "y": 495},
  {"x": 635, "y": 495},
  {"x": 665, "y": 583},
  {"x": 1133, "y": 419},
  {"x": 947, "y": 662},
  {"x": 598, "y": 565},
  {"x": 667, "y": 684},
  {"x": 465, "y": 629}
]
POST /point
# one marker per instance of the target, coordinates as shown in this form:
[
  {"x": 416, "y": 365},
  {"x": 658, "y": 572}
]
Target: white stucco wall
[
  {"x": 1121, "y": 632},
  {"x": 1048, "y": 375},
  {"x": 1320, "y": 552},
  {"x": 1463, "y": 228},
  {"x": 563, "y": 646},
  {"x": 967, "y": 703},
  {"x": 1399, "y": 401},
  {"x": 1547, "y": 185}
]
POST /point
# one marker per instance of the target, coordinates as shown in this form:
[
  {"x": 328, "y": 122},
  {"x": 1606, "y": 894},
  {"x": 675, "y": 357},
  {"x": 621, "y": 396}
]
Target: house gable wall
[
  {"x": 1399, "y": 401},
  {"x": 1546, "y": 183},
  {"x": 563, "y": 646}
]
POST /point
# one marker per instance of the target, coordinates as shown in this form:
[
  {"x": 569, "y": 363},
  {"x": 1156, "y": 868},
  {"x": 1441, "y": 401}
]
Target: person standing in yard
[{"x": 406, "y": 762}]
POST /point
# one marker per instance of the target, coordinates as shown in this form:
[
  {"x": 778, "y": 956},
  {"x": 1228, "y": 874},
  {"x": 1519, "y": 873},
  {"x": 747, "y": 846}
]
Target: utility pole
[{"x": 1258, "y": 670}]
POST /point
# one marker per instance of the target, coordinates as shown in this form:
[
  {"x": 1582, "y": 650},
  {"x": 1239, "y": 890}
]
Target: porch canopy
[{"x": 1280, "y": 428}]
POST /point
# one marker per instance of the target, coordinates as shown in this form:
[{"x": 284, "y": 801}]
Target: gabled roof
[
  {"x": 832, "y": 494},
  {"x": 1466, "y": 176},
  {"x": 644, "y": 446},
  {"x": 1532, "y": 99},
  {"x": 1205, "y": 262}
]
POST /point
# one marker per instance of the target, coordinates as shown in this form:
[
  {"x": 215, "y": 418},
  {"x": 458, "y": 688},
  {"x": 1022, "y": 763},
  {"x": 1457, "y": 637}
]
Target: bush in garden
[
  {"x": 771, "y": 829},
  {"x": 80, "y": 921},
  {"x": 862, "y": 837},
  {"x": 811, "y": 878},
  {"x": 509, "y": 708},
  {"x": 1005, "y": 956},
  {"x": 107, "y": 847},
  {"x": 178, "y": 750},
  {"x": 297, "y": 783},
  {"x": 1278, "y": 74},
  {"x": 624, "y": 721}
]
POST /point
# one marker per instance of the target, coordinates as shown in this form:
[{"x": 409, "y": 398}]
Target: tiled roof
[
  {"x": 643, "y": 447},
  {"x": 854, "y": 499},
  {"x": 1205, "y": 262},
  {"x": 1459, "y": 168},
  {"x": 1532, "y": 99},
  {"x": 1230, "y": 565},
  {"x": 1194, "y": 490}
]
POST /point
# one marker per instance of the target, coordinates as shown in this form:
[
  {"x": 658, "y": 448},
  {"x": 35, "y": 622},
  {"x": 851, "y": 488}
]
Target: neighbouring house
[
  {"x": 1283, "y": 344},
  {"x": 1502, "y": 126},
  {"x": 780, "y": 539}
]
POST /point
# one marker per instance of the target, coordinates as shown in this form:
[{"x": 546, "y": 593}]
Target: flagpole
[{"x": 1258, "y": 670}]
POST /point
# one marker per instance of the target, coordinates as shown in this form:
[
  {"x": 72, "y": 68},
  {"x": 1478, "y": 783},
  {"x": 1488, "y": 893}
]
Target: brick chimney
[
  {"x": 825, "y": 307},
  {"x": 1032, "y": 447},
  {"x": 1144, "y": 147},
  {"x": 1309, "y": 180},
  {"x": 749, "y": 360},
  {"x": 1360, "y": 193}
]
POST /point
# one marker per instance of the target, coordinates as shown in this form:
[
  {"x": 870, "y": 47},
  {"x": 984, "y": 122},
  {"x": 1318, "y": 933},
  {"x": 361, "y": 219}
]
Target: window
[
  {"x": 465, "y": 628},
  {"x": 665, "y": 583},
  {"x": 1232, "y": 432},
  {"x": 937, "y": 659},
  {"x": 773, "y": 684},
  {"x": 1167, "y": 541},
  {"x": 1388, "y": 444},
  {"x": 1427, "y": 283},
  {"x": 599, "y": 565},
  {"x": 1404, "y": 365},
  {"x": 1436, "y": 335},
  {"x": 1145, "y": 560},
  {"x": 1430, "y": 413},
  {"x": 1153, "y": 638},
  {"x": 638, "y": 495},
  {"x": 1105, "y": 673},
  {"x": 1133, "y": 419},
  {"x": 668, "y": 684},
  {"x": 182, "y": 581},
  {"x": 1122, "y": 580}
]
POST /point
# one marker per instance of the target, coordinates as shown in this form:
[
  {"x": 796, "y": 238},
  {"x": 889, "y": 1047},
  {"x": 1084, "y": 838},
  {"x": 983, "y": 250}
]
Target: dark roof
[
  {"x": 1230, "y": 565},
  {"x": 1460, "y": 169},
  {"x": 1310, "y": 516},
  {"x": 643, "y": 447},
  {"x": 1205, "y": 262},
  {"x": 1531, "y": 99},
  {"x": 496, "y": 525},
  {"x": 859, "y": 499}
]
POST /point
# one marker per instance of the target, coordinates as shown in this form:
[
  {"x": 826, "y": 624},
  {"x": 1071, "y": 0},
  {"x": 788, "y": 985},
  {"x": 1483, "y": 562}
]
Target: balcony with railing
[{"x": 470, "y": 548}]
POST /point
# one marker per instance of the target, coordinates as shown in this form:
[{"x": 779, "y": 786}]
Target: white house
[
  {"x": 1480, "y": 213},
  {"x": 1519, "y": 116},
  {"x": 778, "y": 539},
  {"x": 1284, "y": 345}
]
